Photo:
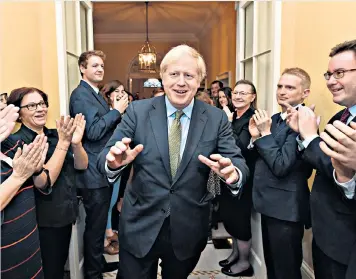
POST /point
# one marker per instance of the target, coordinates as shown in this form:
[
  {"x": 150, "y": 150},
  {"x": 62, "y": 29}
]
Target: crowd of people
[{"x": 162, "y": 161}]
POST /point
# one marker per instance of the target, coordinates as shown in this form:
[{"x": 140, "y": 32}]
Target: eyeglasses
[
  {"x": 33, "y": 106},
  {"x": 241, "y": 93},
  {"x": 337, "y": 74}
]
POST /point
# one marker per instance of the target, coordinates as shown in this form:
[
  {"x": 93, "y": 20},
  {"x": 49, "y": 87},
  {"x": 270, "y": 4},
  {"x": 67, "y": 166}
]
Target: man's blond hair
[
  {"x": 302, "y": 74},
  {"x": 175, "y": 54}
]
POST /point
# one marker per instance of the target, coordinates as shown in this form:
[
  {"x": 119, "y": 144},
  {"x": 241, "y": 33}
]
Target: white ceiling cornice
[{"x": 141, "y": 37}]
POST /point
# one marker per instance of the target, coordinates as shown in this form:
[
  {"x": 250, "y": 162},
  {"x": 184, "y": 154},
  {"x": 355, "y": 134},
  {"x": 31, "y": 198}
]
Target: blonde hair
[
  {"x": 302, "y": 74},
  {"x": 175, "y": 54}
]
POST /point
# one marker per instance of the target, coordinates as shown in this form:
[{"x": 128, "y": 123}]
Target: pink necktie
[{"x": 346, "y": 114}]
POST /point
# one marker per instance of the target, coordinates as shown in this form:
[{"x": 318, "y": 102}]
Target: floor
[{"x": 207, "y": 267}]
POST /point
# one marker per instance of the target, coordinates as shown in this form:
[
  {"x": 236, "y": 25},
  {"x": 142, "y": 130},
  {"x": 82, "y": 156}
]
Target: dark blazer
[
  {"x": 153, "y": 190},
  {"x": 333, "y": 215},
  {"x": 100, "y": 125},
  {"x": 280, "y": 186}
]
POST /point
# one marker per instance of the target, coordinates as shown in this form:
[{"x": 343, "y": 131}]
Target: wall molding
[{"x": 141, "y": 37}]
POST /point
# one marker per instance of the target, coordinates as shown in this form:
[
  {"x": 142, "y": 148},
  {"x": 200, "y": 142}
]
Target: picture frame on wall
[{"x": 225, "y": 78}]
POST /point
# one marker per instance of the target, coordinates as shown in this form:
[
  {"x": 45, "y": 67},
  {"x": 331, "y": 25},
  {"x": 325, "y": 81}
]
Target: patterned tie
[
  {"x": 345, "y": 116},
  {"x": 175, "y": 136}
]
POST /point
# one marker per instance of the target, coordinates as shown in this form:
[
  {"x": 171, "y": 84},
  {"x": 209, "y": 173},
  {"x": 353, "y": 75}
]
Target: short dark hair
[
  {"x": 253, "y": 90},
  {"x": 345, "y": 46},
  {"x": 108, "y": 88},
  {"x": 18, "y": 94},
  {"x": 83, "y": 58},
  {"x": 221, "y": 85}
]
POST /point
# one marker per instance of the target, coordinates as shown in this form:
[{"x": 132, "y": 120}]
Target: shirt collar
[
  {"x": 171, "y": 109},
  {"x": 284, "y": 114},
  {"x": 353, "y": 111},
  {"x": 94, "y": 88}
]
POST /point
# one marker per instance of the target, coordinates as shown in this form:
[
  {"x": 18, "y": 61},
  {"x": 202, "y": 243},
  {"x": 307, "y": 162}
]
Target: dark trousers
[
  {"x": 282, "y": 247},
  {"x": 146, "y": 267},
  {"x": 96, "y": 203},
  {"x": 326, "y": 267},
  {"x": 54, "y": 244}
]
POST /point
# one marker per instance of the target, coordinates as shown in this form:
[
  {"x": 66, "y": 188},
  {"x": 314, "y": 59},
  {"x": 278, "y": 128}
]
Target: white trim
[
  {"x": 90, "y": 29},
  {"x": 255, "y": 42},
  {"x": 141, "y": 37},
  {"x": 78, "y": 28},
  {"x": 62, "y": 58},
  {"x": 241, "y": 40},
  {"x": 276, "y": 48}
]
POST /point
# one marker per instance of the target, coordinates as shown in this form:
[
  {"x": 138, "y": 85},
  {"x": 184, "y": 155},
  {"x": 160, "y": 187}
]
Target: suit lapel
[
  {"x": 96, "y": 95},
  {"x": 196, "y": 128},
  {"x": 158, "y": 118}
]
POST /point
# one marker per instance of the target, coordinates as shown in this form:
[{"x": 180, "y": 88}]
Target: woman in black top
[
  {"x": 236, "y": 210},
  {"x": 56, "y": 213},
  {"x": 20, "y": 247}
]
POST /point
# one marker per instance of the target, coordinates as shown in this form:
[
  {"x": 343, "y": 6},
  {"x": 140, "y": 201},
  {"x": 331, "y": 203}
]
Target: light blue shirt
[{"x": 184, "y": 121}]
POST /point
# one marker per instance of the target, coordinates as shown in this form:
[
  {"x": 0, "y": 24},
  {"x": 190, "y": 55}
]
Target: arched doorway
[{"x": 136, "y": 78}]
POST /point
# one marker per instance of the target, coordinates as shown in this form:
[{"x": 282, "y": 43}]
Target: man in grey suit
[{"x": 165, "y": 213}]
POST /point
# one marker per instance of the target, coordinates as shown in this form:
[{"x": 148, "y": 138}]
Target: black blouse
[
  {"x": 61, "y": 207},
  {"x": 20, "y": 245}
]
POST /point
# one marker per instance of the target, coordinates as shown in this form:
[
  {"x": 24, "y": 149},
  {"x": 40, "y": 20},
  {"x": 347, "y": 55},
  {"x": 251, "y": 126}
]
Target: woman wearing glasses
[
  {"x": 236, "y": 210},
  {"x": 56, "y": 213}
]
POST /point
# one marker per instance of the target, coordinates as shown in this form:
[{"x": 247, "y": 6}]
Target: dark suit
[
  {"x": 333, "y": 218},
  {"x": 94, "y": 187},
  {"x": 153, "y": 190},
  {"x": 281, "y": 195}
]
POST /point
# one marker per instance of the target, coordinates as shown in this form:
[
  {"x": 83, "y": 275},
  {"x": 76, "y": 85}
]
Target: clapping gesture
[
  {"x": 79, "y": 123},
  {"x": 8, "y": 117},
  {"x": 65, "y": 128},
  {"x": 30, "y": 158},
  {"x": 263, "y": 122}
]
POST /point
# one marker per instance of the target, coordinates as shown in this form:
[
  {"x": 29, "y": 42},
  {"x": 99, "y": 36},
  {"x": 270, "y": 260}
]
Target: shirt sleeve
[
  {"x": 302, "y": 144},
  {"x": 347, "y": 187},
  {"x": 113, "y": 175},
  {"x": 235, "y": 187}
]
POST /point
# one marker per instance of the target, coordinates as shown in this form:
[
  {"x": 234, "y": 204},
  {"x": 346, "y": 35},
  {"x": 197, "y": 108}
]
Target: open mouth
[{"x": 181, "y": 92}]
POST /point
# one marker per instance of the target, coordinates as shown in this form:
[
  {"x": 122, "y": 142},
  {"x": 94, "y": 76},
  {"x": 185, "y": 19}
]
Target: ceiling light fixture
[{"x": 147, "y": 54}]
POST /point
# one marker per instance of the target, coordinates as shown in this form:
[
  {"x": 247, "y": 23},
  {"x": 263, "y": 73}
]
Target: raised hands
[
  {"x": 121, "y": 153},
  {"x": 30, "y": 158},
  {"x": 221, "y": 166},
  {"x": 121, "y": 104},
  {"x": 228, "y": 113},
  {"x": 252, "y": 128},
  {"x": 343, "y": 146},
  {"x": 263, "y": 122},
  {"x": 79, "y": 123},
  {"x": 8, "y": 117}
]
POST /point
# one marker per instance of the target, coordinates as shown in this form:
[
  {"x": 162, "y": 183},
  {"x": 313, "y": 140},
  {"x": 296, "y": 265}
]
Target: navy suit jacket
[
  {"x": 333, "y": 215},
  {"x": 153, "y": 190},
  {"x": 280, "y": 186},
  {"x": 100, "y": 125}
]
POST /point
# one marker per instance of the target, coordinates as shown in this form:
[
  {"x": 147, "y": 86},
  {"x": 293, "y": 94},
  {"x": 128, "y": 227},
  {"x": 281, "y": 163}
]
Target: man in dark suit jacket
[
  {"x": 93, "y": 186},
  {"x": 332, "y": 205},
  {"x": 165, "y": 214},
  {"x": 280, "y": 186}
]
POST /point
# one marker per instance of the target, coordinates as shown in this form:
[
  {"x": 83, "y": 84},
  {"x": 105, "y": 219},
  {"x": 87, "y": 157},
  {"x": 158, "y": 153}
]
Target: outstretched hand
[
  {"x": 221, "y": 166},
  {"x": 8, "y": 117},
  {"x": 121, "y": 153}
]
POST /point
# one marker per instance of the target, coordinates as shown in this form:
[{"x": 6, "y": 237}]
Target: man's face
[
  {"x": 181, "y": 81},
  {"x": 94, "y": 72},
  {"x": 290, "y": 90},
  {"x": 215, "y": 90},
  {"x": 343, "y": 89}
]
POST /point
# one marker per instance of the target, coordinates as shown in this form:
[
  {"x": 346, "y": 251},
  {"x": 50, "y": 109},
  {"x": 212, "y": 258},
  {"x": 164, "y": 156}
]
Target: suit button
[
  {"x": 171, "y": 191},
  {"x": 164, "y": 211}
]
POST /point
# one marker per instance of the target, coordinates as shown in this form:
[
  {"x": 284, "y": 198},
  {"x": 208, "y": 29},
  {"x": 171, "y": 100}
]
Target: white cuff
[
  {"x": 251, "y": 145},
  {"x": 348, "y": 187},
  {"x": 113, "y": 175},
  {"x": 304, "y": 144},
  {"x": 235, "y": 187}
]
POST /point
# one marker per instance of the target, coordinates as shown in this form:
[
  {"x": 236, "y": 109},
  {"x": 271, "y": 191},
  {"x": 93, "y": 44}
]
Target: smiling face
[
  {"x": 343, "y": 89},
  {"x": 94, "y": 72},
  {"x": 33, "y": 119},
  {"x": 181, "y": 81},
  {"x": 222, "y": 99},
  {"x": 119, "y": 92},
  {"x": 290, "y": 90},
  {"x": 242, "y": 101}
]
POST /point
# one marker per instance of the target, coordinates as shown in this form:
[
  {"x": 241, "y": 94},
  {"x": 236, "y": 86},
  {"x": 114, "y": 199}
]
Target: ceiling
[{"x": 128, "y": 19}]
